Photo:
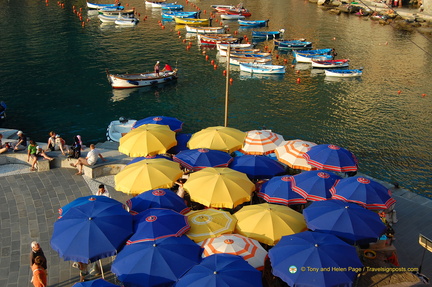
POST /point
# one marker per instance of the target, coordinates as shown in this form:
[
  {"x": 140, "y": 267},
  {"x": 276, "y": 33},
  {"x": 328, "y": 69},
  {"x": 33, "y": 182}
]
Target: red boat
[
  {"x": 209, "y": 40},
  {"x": 235, "y": 11}
]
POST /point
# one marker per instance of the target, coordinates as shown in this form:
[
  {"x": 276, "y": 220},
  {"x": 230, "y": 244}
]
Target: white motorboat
[{"x": 118, "y": 128}]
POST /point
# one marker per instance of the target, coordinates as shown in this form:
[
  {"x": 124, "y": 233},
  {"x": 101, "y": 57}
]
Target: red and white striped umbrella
[
  {"x": 260, "y": 142},
  {"x": 291, "y": 153},
  {"x": 236, "y": 244}
]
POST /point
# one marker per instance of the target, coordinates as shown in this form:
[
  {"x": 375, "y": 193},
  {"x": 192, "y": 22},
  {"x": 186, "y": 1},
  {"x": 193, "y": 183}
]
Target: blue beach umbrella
[
  {"x": 314, "y": 259},
  {"x": 173, "y": 123},
  {"x": 279, "y": 190},
  {"x": 221, "y": 270},
  {"x": 91, "y": 231},
  {"x": 350, "y": 222},
  {"x": 95, "y": 283},
  {"x": 85, "y": 200},
  {"x": 156, "y": 263},
  {"x": 157, "y": 198},
  {"x": 363, "y": 191},
  {"x": 257, "y": 166},
  {"x": 331, "y": 157},
  {"x": 157, "y": 223},
  {"x": 137, "y": 159},
  {"x": 315, "y": 185},
  {"x": 196, "y": 159},
  {"x": 182, "y": 140}
]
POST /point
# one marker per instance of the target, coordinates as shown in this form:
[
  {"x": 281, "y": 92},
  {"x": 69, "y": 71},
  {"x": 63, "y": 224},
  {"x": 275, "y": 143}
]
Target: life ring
[{"x": 369, "y": 254}]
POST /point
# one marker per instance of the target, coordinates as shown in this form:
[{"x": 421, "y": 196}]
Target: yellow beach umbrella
[
  {"x": 147, "y": 174},
  {"x": 218, "y": 138},
  {"x": 149, "y": 139},
  {"x": 219, "y": 187},
  {"x": 267, "y": 222},
  {"x": 209, "y": 223}
]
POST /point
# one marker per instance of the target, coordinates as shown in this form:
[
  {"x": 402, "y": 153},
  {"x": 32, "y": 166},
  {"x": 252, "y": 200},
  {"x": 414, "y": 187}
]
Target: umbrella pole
[
  {"x": 227, "y": 84},
  {"x": 101, "y": 267}
]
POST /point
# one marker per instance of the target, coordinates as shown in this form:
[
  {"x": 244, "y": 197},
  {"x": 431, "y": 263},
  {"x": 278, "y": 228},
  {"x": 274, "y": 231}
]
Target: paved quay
[{"x": 30, "y": 203}]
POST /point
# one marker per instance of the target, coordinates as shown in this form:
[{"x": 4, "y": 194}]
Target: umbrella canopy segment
[
  {"x": 147, "y": 140},
  {"x": 209, "y": 223},
  {"x": 267, "y": 223},
  {"x": 147, "y": 175},
  {"x": 156, "y": 263},
  {"x": 219, "y": 187},
  {"x": 334, "y": 262},
  {"x": 219, "y": 138},
  {"x": 157, "y": 198},
  {"x": 331, "y": 157},
  {"x": 95, "y": 283},
  {"x": 158, "y": 223},
  {"x": 182, "y": 140},
  {"x": 86, "y": 199},
  {"x": 315, "y": 185},
  {"x": 278, "y": 190},
  {"x": 261, "y": 142},
  {"x": 197, "y": 159},
  {"x": 257, "y": 166},
  {"x": 91, "y": 231},
  {"x": 291, "y": 154},
  {"x": 348, "y": 221},
  {"x": 236, "y": 244},
  {"x": 174, "y": 124},
  {"x": 221, "y": 270},
  {"x": 363, "y": 191}
]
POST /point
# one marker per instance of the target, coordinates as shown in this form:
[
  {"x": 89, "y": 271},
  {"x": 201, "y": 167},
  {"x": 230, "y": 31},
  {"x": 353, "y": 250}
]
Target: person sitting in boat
[
  {"x": 157, "y": 68},
  {"x": 167, "y": 68}
]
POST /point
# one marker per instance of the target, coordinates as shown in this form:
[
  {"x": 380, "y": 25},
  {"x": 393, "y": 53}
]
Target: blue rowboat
[
  {"x": 111, "y": 9},
  {"x": 251, "y": 55},
  {"x": 253, "y": 23},
  {"x": 169, "y": 15},
  {"x": 344, "y": 73},
  {"x": 268, "y": 34},
  {"x": 327, "y": 51},
  {"x": 101, "y": 6},
  {"x": 292, "y": 44},
  {"x": 262, "y": 69},
  {"x": 307, "y": 58},
  {"x": 172, "y": 7}
]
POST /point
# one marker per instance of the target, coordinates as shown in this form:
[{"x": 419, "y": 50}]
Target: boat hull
[
  {"x": 192, "y": 21},
  {"x": 117, "y": 129},
  {"x": 205, "y": 30},
  {"x": 330, "y": 64},
  {"x": 262, "y": 69},
  {"x": 100, "y": 6},
  {"x": 344, "y": 73},
  {"x": 231, "y": 17},
  {"x": 127, "y": 81},
  {"x": 308, "y": 58},
  {"x": 126, "y": 22},
  {"x": 250, "y": 23},
  {"x": 267, "y": 35}
]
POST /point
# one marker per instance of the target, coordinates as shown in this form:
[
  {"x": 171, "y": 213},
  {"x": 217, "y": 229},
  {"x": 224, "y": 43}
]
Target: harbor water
[{"x": 53, "y": 77}]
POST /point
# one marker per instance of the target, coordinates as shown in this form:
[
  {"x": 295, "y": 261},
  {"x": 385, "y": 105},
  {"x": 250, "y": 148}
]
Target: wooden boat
[
  {"x": 262, "y": 69},
  {"x": 251, "y": 55},
  {"x": 292, "y": 44},
  {"x": 192, "y": 21},
  {"x": 233, "y": 46},
  {"x": 118, "y": 128},
  {"x": 306, "y": 58},
  {"x": 226, "y": 6},
  {"x": 237, "y": 61},
  {"x": 172, "y": 7},
  {"x": 126, "y": 81},
  {"x": 243, "y": 12},
  {"x": 111, "y": 9},
  {"x": 126, "y": 21},
  {"x": 328, "y": 64},
  {"x": 214, "y": 40},
  {"x": 100, "y": 6},
  {"x": 116, "y": 12},
  {"x": 155, "y": 3},
  {"x": 253, "y": 23},
  {"x": 223, "y": 52},
  {"x": 326, "y": 51},
  {"x": 205, "y": 30},
  {"x": 113, "y": 18},
  {"x": 232, "y": 16},
  {"x": 268, "y": 34},
  {"x": 344, "y": 73},
  {"x": 181, "y": 14}
]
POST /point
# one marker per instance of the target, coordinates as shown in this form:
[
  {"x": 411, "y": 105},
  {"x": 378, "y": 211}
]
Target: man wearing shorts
[{"x": 90, "y": 159}]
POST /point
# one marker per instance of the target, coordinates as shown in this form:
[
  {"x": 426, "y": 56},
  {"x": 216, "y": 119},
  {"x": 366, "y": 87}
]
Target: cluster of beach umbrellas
[{"x": 159, "y": 241}]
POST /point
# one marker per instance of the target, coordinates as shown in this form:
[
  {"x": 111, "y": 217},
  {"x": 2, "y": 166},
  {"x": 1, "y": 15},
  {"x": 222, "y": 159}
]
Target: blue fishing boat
[
  {"x": 326, "y": 51},
  {"x": 169, "y": 15},
  {"x": 100, "y": 6},
  {"x": 268, "y": 34},
  {"x": 253, "y": 23},
  {"x": 251, "y": 55},
  {"x": 344, "y": 73},
  {"x": 292, "y": 44},
  {"x": 111, "y": 9},
  {"x": 172, "y": 7},
  {"x": 262, "y": 69},
  {"x": 307, "y": 58}
]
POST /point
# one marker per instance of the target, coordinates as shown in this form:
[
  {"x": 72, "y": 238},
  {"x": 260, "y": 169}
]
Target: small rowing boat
[
  {"x": 344, "y": 73},
  {"x": 260, "y": 55},
  {"x": 172, "y": 7},
  {"x": 192, "y": 21},
  {"x": 223, "y": 52},
  {"x": 268, "y": 34},
  {"x": 181, "y": 14},
  {"x": 121, "y": 21},
  {"x": 328, "y": 64},
  {"x": 118, "y": 128},
  {"x": 116, "y": 12},
  {"x": 292, "y": 44},
  {"x": 113, "y": 18},
  {"x": 233, "y": 46},
  {"x": 253, "y": 23},
  {"x": 307, "y": 58},
  {"x": 126, "y": 81},
  {"x": 326, "y": 51},
  {"x": 262, "y": 69},
  {"x": 205, "y": 30},
  {"x": 237, "y": 61},
  {"x": 232, "y": 16},
  {"x": 100, "y": 6}
]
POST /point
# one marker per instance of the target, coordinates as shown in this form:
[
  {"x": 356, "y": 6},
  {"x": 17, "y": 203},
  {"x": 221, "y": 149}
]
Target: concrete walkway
[{"x": 29, "y": 206}]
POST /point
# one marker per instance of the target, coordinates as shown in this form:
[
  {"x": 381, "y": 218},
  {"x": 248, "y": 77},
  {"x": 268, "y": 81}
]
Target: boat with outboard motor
[
  {"x": 118, "y": 128},
  {"x": 126, "y": 81}
]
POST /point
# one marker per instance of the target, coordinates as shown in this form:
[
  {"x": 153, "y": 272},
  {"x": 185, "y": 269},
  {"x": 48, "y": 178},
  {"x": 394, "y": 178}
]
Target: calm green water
[{"x": 52, "y": 76}]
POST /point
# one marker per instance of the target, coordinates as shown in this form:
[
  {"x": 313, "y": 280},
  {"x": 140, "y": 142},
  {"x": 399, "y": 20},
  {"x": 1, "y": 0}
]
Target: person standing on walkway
[
  {"x": 39, "y": 278},
  {"x": 90, "y": 159}
]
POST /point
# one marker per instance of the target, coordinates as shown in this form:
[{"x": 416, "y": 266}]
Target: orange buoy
[
  {"x": 163, "y": 27},
  {"x": 139, "y": 14},
  {"x": 235, "y": 32},
  {"x": 277, "y": 56},
  {"x": 127, "y": 4},
  {"x": 88, "y": 20},
  {"x": 212, "y": 62},
  {"x": 83, "y": 24},
  {"x": 80, "y": 18},
  {"x": 207, "y": 57},
  {"x": 184, "y": 40},
  {"x": 334, "y": 38},
  {"x": 285, "y": 61},
  {"x": 187, "y": 47},
  {"x": 298, "y": 81},
  {"x": 224, "y": 72},
  {"x": 298, "y": 71},
  {"x": 265, "y": 47},
  {"x": 215, "y": 66},
  {"x": 204, "y": 52},
  {"x": 144, "y": 18},
  {"x": 205, "y": 11},
  {"x": 190, "y": 43},
  {"x": 178, "y": 32},
  {"x": 399, "y": 92},
  {"x": 423, "y": 95},
  {"x": 231, "y": 81},
  {"x": 227, "y": 29},
  {"x": 292, "y": 66},
  {"x": 81, "y": 9}
]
